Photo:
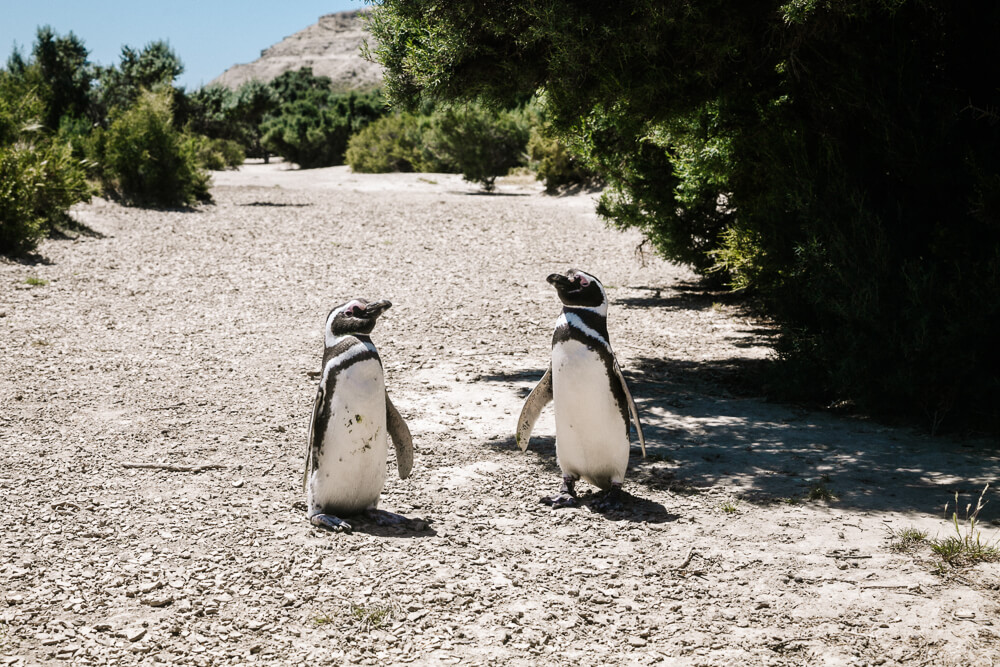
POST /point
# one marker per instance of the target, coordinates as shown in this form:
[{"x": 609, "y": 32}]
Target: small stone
[
  {"x": 150, "y": 587},
  {"x": 965, "y": 614},
  {"x": 135, "y": 634},
  {"x": 158, "y": 600},
  {"x": 636, "y": 641}
]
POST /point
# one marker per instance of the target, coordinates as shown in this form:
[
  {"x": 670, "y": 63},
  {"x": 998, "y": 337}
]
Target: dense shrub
[
  {"x": 312, "y": 125},
  {"x": 554, "y": 163},
  {"x": 146, "y": 161},
  {"x": 39, "y": 177},
  {"x": 215, "y": 154},
  {"x": 393, "y": 143},
  {"x": 481, "y": 142},
  {"x": 841, "y": 160},
  {"x": 308, "y": 135}
]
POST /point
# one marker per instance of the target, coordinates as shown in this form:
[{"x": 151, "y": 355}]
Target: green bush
[
  {"x": 481, "y": 142},
  {"x": 841, "y": 160},
  {"x": 40, "y": 179},
  {"x": 215, "y": 154},
  {"x": 312, "y": 125},
  {"x": 308, "y": 135},
  {"x": 146, "y": 161},
  {"x": 554, "y": 163},
  {"x": 392, "y": 143}
]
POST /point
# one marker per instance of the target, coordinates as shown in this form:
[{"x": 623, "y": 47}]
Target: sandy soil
[{"x": 192, "y": 338}]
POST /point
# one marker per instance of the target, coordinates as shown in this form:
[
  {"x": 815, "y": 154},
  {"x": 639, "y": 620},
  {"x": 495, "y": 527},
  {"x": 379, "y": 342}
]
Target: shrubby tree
[
  {"x": 392, "y": 143},
  {"x": 148, "y": 162},
  {"x": 155, "y": 67},
  {"x": 65, "y": 75},
  {"x": 39, "y": 177},
  {"x": 482, "y": 143},
  {"x": 839, "y": 160},
  {"x": 312, "y": 123},
  {"x": 250, "y": 106}
]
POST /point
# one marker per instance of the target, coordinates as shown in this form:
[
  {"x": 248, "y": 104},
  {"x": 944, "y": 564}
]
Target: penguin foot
[
  {"x": 383, "y": 518},
  {"x": 611, "y": 500},
  {"x": 561, "y": 499},
  {"x": 330, "y": 522},
  {"x": 566, "y": 496}
]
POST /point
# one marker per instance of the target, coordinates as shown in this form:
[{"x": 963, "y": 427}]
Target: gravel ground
[{"x": 189, "y": 341}]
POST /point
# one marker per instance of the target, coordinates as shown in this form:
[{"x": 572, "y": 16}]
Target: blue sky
[{"x": 207, "y": 35}]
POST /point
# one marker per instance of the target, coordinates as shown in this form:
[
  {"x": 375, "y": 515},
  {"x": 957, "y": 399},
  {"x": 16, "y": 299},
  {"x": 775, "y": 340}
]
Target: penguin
[
  {"x": 593, "y": 404},
  {"x": 351, "y": 417}
]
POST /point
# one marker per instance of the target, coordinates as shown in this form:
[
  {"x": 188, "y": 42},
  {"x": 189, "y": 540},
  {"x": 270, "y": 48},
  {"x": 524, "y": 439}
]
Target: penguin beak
[
  {"x": 373, "y": 310},
  {"x": 559, "y": 281},
  {"x": 563, "y": 284}
]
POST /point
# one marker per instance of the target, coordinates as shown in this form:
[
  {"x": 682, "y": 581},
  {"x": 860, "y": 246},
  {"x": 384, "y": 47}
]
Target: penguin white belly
[
  {"x": 351, "y": 467},
  {"x": 591, "y": 435}
]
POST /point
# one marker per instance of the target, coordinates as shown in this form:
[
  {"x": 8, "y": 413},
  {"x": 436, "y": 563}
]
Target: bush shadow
[{"x": 707, "y": 426}]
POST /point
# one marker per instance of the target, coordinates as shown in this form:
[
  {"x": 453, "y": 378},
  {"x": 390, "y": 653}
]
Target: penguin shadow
[
  {"x": 627, "y": 507},
  {"x": 274, "y": 204},
  {"x": 412, "y": 528},
  {"x": 407, "y": 528}
]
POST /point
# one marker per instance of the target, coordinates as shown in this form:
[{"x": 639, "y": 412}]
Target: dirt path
[{"x": 189, "y": 339}]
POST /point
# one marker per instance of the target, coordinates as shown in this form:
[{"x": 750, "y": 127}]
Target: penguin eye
[{"x": 583, "y": 281}]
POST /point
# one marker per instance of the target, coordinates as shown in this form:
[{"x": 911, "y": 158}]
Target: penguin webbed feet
[
  {"x": 612, "y": 500},
  {"x": 330, "y": 522},
  {"x": 566, "y": 496}
]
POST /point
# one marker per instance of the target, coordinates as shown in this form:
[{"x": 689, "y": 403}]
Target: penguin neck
[
  {"x": 333, "y": 340},
  {"x": 592, "y": 323}
]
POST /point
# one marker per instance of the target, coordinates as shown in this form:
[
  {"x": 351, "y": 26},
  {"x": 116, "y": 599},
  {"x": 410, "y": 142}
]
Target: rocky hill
[{"x": 331, "y": 47}]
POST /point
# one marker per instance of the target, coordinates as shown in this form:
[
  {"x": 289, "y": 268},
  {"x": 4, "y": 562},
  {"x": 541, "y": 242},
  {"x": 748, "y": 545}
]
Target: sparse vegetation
[
  {"x": 731, "y": 506},
  {"x": 35, "y": 281},
  {"x": 373, "y": 615},
  {"x": 966, "y": 546},
  {"x": 907, "y": 539},
  {"x": 820, "y": 492}
]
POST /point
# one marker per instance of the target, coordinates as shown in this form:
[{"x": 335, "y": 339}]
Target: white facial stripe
[
  {"x": 330, "y": 339},
  {"x": 577, "y": 323}
]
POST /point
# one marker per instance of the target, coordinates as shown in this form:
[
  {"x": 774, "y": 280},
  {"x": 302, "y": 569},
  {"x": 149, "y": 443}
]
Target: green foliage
[
  {"x": 65, "y": 75},
  {"x": 39, "y": 177},
  {"x": 482, "y": 143},
  {"x": 967, "y": 546},
  {"x": 554, "y": 163},
  {"x": 146, "y": 161},
  {"x": 253, "y": 102},
  {"x": 155, "y": 68},
  {"x": 215, "y": 154},
  {"x": 392, "y": 143},
  {"x": 312, "y": 124},
  {"x": 840, "y": 160},
  {"x": 307, "y": 135}
]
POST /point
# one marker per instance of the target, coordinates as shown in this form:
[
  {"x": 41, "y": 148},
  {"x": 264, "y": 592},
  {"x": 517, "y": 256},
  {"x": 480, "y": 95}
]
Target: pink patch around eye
[{"x": 584, "y": 282}]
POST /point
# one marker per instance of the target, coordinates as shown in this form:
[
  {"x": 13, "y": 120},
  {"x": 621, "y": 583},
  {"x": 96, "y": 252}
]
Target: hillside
[{"x": 331, "y": 47}]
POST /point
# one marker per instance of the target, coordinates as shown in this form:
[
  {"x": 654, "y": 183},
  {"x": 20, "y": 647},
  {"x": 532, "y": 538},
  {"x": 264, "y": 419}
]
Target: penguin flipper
[
  {"x": 317, "y": 409},
  {"x": 631, "y": 408},
  {"x": 401, "y": 438},
  {"x": 539, "y": 397}
]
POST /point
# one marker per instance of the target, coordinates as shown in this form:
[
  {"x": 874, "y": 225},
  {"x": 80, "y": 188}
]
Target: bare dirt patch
[{"x": 761, "y": 534}]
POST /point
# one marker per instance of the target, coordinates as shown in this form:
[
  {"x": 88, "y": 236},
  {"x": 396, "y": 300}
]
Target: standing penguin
[
  {"x": 345, "y": 464},
  {"x": 592, "y": 400}
]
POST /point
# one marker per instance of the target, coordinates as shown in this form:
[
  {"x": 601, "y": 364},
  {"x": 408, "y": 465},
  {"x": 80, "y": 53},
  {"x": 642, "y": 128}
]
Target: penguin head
[
  {"x": 357, "y": 316},
  {"x": 577, "y": 289}
]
